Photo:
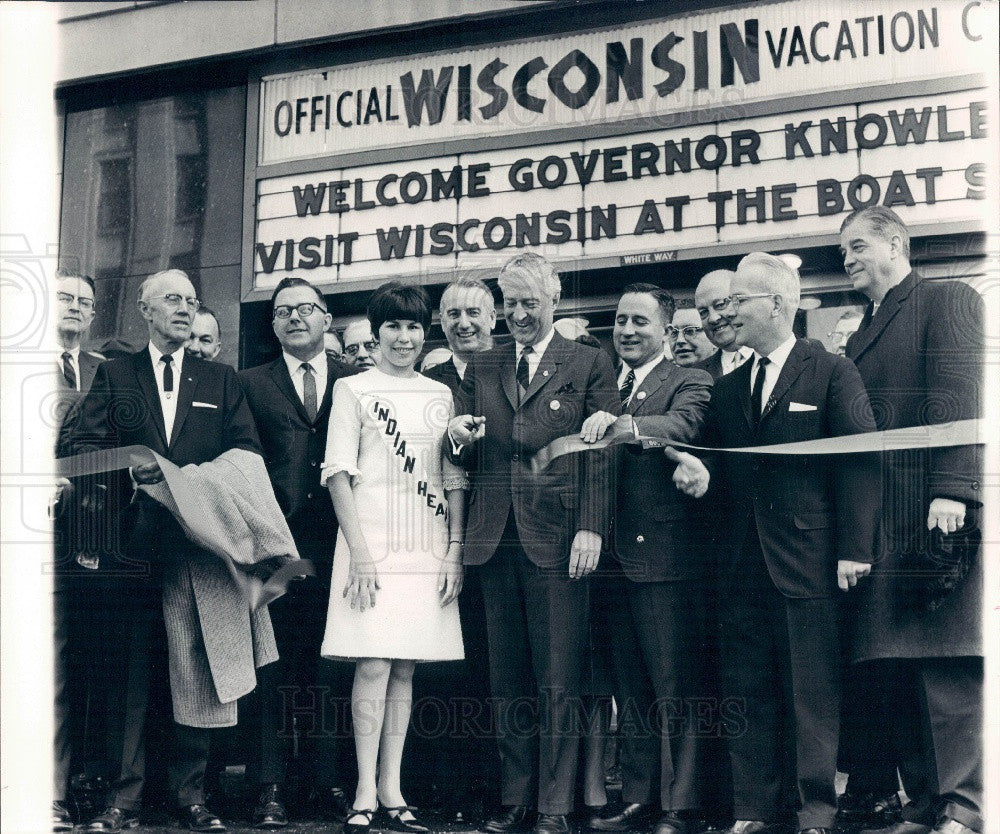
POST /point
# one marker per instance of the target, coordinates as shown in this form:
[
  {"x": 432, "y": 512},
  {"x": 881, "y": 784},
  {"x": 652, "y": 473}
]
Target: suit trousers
[
  {"x": 781, "y": 661},
  {"x": 938, "y": 736},
  {"x": 537, "y": 625},
  {"x": 142, "y": 642},
  {"x": 655, "y": 633},
  {"x": 301, "y": 696}
]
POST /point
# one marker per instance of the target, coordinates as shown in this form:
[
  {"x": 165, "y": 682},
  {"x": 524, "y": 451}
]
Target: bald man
[{"x": 715, "y": 311}]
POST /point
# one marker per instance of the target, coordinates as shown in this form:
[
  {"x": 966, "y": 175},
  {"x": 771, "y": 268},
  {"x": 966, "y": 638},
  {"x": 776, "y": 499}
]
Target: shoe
[
  {"x": 395, "y": 821},
  {"x": 270, "y": 810},
  {"x": 815, "y": 831},
  {"x": 199, "y": 818},
  {"x": 511, "y": 820},
  {"x": 946, "y": 825},
  {"x": 903, "y": 827},
  {"x": 869, "y": 810},
  {"x": 61, "y": 820},
  {"x": 330, "y": 804},
  {"x": 627, "y": 817},
  {"x": 114, "y": 819},
  {"x": 551, "y": 824},
  {"x": 751, "y": 827},
  {"x": 358, "y": 827},
  {"x": 670, "y": 823}
]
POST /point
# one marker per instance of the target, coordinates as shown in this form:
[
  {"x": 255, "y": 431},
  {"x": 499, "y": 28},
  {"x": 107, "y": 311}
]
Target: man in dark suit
[
  {"x": 74, "y": 650},
  {"x": 918, "y": 628},
  {"x": 536, "y": 535},
  {"x": 290, "y": 402},
  {"x": 462, "y": 767},
  {"x": 711, "y": 300},
  {"x": 654, "y": 625},
  {"x": 800, "y": 527},
  {"x": 190, "y": 411}
]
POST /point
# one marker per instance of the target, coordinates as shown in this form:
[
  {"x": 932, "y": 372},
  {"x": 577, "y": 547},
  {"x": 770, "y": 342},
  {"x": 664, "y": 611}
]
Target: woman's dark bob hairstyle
[{"x": 396, "y": 301}]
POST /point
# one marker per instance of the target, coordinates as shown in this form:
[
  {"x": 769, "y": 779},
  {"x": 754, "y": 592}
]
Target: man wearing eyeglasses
[
  {"x": 290, "y": 401},
  {"x": 715, "y": 310},
  {"x": 799, "y": 527},
  {"x": 189, "y": 411},
  {"x": 688, "y": 342},
  {"x": 360, "y": 344},
  {"x": 74, "y": 646}
]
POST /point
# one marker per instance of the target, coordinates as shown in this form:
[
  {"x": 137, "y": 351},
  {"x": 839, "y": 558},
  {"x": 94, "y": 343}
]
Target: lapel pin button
[
  {"x": 641, "y": 395},
  {"x": 555, "y": 405},
  {"x": 640, "y": 539},
  {"x": 545, "y": 373}
]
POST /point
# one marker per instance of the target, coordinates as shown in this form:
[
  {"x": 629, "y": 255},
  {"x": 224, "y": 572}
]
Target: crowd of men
[{"x": 766, "y": 618}]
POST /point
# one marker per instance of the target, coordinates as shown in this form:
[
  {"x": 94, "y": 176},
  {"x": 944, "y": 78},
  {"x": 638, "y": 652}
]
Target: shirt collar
[
  {"x": 540, "y": 346},
  {"x": 178, "y": 357},
  {"x": 74, "y": 352},
  {"x": 779, "y": 355},
  {"x": 641, "y": 372},
  {"x": 460, "y": 366},
  {"x": 294, "y": 364}
]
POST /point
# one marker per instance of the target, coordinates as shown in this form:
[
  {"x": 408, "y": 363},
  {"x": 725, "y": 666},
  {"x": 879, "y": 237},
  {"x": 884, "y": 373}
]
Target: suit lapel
[
  {"x": 650, "y": 385},
  {"x": 789, "y": 373},
  {"x": 279, "y": 373},
  {"x": 147, "y": 384},
  {"x": 742, "y": 373},
  {"x": 547, "y": 367},
  {"x": 872, "y": 329},
  {"x": 507, "y": 380},
  {"x": 324, "y": 406},
  {"x": 190, "y": 376}
]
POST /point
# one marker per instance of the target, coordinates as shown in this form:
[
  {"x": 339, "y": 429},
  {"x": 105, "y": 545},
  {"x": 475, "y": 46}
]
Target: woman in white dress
[{"x": 397, "y": 568}]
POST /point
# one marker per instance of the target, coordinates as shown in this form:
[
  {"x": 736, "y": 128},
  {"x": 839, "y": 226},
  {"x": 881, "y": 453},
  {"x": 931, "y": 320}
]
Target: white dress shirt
[
  {"x": 640, "y": 374},
  {"x": 74, "y": 353},
  {"x": 732, "y": 359},
  {"x": 168, "y": 400},
  {"x": 318, "y": 363},
  {"x": 537, "y": 352},
  {"x": 460, "y": 366},
  {"x": 772, "y": 370}
]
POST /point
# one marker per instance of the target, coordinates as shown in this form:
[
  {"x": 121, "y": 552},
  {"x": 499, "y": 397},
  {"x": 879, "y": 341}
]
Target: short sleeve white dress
[{"x": 387, "y": 433}]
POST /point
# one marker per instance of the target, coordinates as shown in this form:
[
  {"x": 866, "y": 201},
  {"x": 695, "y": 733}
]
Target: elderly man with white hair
[
  {"x": 536, "y": 535},
  {"x": 799, "y": 527}
]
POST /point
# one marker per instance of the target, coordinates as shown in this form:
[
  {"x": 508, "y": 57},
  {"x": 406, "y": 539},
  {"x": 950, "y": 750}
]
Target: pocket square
[
  {"x": 801, "y": 407},
  {"x": 196, "y": 404}
]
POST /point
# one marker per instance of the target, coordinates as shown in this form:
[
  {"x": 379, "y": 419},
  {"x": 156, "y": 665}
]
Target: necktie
[
  {"x": 522, "y": 370},
  {"x": 168, "y": 375},
  {"x": 309, "y": 391},
  {"x": 626, "y": 390},
  {"x": 69, "y": 372},
  {"x": 758, "y": 391}
]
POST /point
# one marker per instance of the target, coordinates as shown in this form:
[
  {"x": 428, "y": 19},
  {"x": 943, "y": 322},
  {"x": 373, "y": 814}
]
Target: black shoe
[
  {"x": 330, "y": 804},
  {"x": 199, "y": 818},
  {"x": 759, "y": 827},
  {"x": 626, "y": 817},
  {"x": 670, "y": 823},
  {"x": 270, "y": 810},
  {"x": 551, "y": 824},
  {"x": 869, "y": 810},
  {"x": 513, "y": 819},
  {"x": 114, "y": 819},
  {"x": 358, "y": 827},
  {"x": 61, "y": 820},
  {"x": 395, "y": 821}
]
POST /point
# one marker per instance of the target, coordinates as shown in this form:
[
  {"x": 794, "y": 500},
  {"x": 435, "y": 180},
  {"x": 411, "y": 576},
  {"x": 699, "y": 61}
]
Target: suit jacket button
[
  {"x": 515, "y": 457},
  {"x": 309, "y": 495},
  {"x": 640, "y": 538},
  {"x": 312, "y": 430},
  {"x": 312, "y": 463}
]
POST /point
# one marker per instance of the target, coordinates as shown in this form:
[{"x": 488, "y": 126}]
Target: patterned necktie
[
  {"x": 168, "y": 374},
  {"x": 69, "y": 372},
  {"x": 522, "y": 370},
  {"x": 758, "y": 391},
  {"x": 625, "y": 392},
  {"x": 309, "y": 391}
]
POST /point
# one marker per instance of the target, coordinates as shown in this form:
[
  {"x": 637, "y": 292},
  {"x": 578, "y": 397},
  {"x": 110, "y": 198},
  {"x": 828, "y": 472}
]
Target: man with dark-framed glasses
[
  {"x": 686, "y": 338},
  {"x": 359, "y": 344}
]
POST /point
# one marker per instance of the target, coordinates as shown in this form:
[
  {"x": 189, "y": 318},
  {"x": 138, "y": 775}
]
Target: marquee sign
[
  {"x": 645, "y": 195},
  {"x": 655, "y": 70}
]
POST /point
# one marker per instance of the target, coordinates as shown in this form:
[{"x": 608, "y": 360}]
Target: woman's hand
[
  {"x": 450, "y": 575},
  {"x": 362, "y": 582}
]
